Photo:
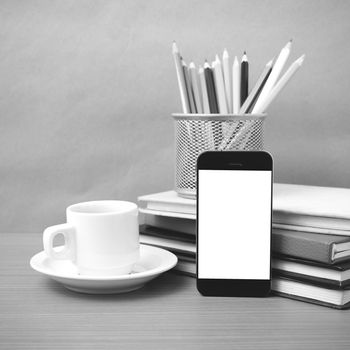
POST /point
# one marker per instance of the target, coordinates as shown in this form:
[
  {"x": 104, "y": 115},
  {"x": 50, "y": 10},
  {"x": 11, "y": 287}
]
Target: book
[
  {"x": 321, "y": 209},
  {"x": 327, "y": 249},
  {"x": 310, "y": 272},
  {"x": 187, "y": 223},
  {"x": 167, "y": 213},
  {"x": 192, "y": 217},
  {"x": 323, "y": 248},
  {"x": 314, "y": 206},
  {"x": 183, "y": 245},
  {"x": 168, "y": 202},
  {"x": 183, "y": 225},
  {"x": 316, "y": 283},
  {"x": 312, "y": 221},
  {"x": 174, "y": 246},
  {"x": 186, "y": 267},
  {"x": 168, "y": 234},
  {"x": 324, "y": 231},
  {"x": 336, "y": 298},
  {"x": 337, "y": 276}
]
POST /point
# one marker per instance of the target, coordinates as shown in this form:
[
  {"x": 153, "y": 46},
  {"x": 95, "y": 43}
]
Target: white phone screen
[{"x": 234, "y": 224}]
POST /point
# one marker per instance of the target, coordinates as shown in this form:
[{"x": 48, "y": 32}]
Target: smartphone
[{"x": 234, "y": 210}]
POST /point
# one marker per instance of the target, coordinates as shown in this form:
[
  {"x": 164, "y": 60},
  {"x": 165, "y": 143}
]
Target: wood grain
[{"x": 168, "y": 313}]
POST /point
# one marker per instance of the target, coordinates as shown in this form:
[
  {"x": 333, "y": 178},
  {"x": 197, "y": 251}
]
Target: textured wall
[{"x": 87, "y": 89}]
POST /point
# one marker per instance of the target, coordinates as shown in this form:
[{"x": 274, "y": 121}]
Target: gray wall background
[{"x": 87, "y": 89}]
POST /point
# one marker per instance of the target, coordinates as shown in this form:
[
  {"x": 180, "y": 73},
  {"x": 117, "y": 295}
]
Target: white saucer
[{"x": 153, "y": 261}]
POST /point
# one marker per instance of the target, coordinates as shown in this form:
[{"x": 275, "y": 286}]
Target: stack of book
[{"x": 310, "y": 239}]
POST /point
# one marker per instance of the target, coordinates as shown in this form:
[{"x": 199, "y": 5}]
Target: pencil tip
[
  {"x": 175, "y": 49},
  {"x": 245, "y": 53},
  {"x": 289, "y": 44},
  {"x": 270, "y": 63}
]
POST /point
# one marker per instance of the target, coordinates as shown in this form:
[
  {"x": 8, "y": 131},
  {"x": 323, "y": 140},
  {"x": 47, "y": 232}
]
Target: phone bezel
[{"x": 233, "y": 160}]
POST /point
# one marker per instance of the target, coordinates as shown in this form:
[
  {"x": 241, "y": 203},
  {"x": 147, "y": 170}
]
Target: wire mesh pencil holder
[{"x": 197, "y": 133}]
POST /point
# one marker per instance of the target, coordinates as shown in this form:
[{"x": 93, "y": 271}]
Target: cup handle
[{"x": 68, "y": 251}]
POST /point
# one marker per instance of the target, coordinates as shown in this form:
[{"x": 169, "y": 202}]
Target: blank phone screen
[{"x": 234, "y": 224}]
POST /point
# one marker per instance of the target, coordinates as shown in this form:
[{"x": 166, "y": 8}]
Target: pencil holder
[{"x": 197, "y": 133}]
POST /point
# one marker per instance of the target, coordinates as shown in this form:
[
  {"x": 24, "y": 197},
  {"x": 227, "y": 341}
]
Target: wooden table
[{"x": 168, "y": 313}]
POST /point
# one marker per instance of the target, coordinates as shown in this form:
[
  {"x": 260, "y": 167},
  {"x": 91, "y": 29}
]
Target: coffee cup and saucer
[{"x": 101, "y": 253}]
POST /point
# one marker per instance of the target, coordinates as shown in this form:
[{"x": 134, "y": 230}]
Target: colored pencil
[
  {"x": 206, "y": 108},
  {"x": 195, "y": 87},
  {"x": 281, "y": 83},
  {"x": 236, "y": 86},
  {"x": 180, "y": 79},
  {"x": 210, "y": 88},
  {"x": 254, "y": 94},
  {"x": 244, "y": 78},
  {"x": 223, "y": 88},
  {"x": 188, "y": 87},
  {"x": 276, "y": 70},
  {"x": 227, "y": 79},
  {"x": 220, "y": 86}
]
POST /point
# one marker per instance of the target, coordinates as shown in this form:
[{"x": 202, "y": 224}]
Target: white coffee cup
[{"x": 101, "y": 237}]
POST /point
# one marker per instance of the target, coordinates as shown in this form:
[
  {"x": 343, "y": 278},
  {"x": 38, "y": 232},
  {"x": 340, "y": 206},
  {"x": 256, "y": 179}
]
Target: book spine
[
  {"x": 187, "y": 226},
  {"x": 301, "y": 248},
  {"x": 172, "y": 207},
  {"x": 289, "y": 218},
  {"x": 186, "y": 268},
  {"x": 317, "y": 281}
]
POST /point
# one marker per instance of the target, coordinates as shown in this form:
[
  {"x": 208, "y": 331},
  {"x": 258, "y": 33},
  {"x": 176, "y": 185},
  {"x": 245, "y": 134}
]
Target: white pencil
[
  {"x": 205, "y": 98},
  {"x": 195, "y": 87},
  {"x": 281, "y": 83},
  {"x": 220, "y": 86},
  {"x": 181, "y": 79},
  {"x": 192, "y": 108},
  {"x": 236, "y": 86},
  {"x": 257, "y": 88},
  {"x": 276, "y": 70},
  {"x": 227, "y": 79}
]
